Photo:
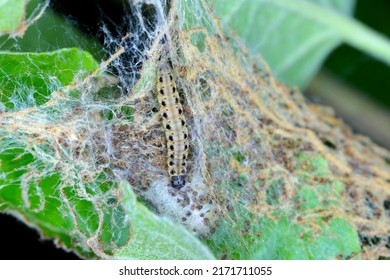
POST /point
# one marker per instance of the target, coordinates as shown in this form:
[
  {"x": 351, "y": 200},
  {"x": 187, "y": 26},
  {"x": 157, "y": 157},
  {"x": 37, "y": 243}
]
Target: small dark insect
[
  {"x": 111, "y": 200},
  {"x": 176, "y": 131}
]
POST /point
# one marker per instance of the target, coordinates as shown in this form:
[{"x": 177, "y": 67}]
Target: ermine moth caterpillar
[{"x": 175, "y": 126}]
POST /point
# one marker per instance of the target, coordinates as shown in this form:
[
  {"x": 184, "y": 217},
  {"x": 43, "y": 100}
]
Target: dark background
[
  {"x": 354, "y": 67},
  {"x": 369, "y": 75}
]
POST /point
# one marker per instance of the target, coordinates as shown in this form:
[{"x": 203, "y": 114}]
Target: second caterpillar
[{"x": 175, "y": 126}]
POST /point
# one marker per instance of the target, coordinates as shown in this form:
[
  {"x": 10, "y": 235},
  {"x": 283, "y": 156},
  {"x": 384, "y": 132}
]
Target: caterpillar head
[{"x": 178, "y": 182}]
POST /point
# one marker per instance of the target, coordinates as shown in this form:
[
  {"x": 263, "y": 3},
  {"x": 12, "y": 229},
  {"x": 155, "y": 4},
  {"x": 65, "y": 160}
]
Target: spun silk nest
[{"x": 246, "y": 131}]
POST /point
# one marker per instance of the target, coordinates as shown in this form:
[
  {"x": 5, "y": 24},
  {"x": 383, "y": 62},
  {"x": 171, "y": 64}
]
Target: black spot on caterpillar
[{"x": 176, "y": 131}]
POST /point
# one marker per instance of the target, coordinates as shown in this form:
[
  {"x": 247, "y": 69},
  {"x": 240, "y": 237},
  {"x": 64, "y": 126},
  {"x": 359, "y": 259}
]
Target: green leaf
[
  {"x": 11, "y": 15},
  {"x": 308, "y": 229},
  {"x": 155, "y": 237},
  {"x": 295, "y": 36},
  {"x": 57, "y": 204},
  {"x": 28, "y": 79},
  {"x": 50, "y": 32}
]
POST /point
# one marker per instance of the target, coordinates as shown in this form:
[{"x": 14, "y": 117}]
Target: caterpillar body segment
[{"x": 175, "y": 125}]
